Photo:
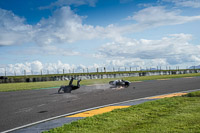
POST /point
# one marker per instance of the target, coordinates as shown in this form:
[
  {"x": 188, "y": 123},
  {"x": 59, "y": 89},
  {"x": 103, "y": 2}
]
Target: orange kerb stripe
[
  {"x": 97, "y": 111},
  {"x": 170, "y": 95}
]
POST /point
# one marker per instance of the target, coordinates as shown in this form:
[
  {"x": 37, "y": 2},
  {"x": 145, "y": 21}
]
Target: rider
[
  {"x": 73, "y": 86},
  {"x": 70, "y": 82},
  {"x": 78, "y": 85},
  {"x": 70, "y": 87}
]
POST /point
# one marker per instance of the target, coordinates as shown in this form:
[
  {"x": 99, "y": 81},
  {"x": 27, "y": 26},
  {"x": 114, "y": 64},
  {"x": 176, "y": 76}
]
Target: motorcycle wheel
[
  {"x": 111, "y": 82},
  {"x": 126, "y": 84}
]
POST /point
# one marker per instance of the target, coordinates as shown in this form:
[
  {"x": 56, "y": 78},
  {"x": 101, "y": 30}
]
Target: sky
[{"x": 75, "y": 35}]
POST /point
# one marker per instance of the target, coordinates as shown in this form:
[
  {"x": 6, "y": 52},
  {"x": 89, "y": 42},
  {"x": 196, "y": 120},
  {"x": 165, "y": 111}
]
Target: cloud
[
  {"x": 47, "y": 50},
  {"x": 65, "y": 26},
  {"x": 61, "y": 3},
  {"x": 53, "y": 50},
  {"x": 185, "y": 3},
  {"x": 153, "y": 17},
  {"x": 35, "y": 67},
  {"x": 173, "y": 49},
  {"x": 159, "y": 16},
  {"x": 135, "y": 63},
  {"x": 12, "y": 29}
]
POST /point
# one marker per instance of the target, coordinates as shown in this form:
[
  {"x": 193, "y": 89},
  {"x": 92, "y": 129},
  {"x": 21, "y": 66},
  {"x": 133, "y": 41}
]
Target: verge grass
[
  {"x": 49, "y": 84},
  {"x": 177, "y": 114}
]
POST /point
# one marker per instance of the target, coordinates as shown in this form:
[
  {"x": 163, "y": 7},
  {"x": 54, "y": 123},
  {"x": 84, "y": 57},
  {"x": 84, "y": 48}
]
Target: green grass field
[
  {"x": 49, "y": 84},
  {"x": 168, "y": 115}
]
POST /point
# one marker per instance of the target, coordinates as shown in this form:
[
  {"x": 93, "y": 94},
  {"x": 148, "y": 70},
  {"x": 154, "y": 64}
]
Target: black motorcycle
[{"x": 119, "y": 83}]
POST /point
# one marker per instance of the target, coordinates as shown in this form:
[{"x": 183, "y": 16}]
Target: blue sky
[{"x": 80, "y": 34}]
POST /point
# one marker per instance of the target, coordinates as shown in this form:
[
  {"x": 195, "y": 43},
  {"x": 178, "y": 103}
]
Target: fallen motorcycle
[{"x": 119, "y": 83}]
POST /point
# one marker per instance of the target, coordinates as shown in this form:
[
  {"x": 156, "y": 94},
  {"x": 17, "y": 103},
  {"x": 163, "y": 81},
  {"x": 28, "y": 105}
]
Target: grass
[
  {"x": 177, "y": 114},
  {"x": 30, "y": 85},
  {"x": 49, "y": 84},
  {"x": 193, "y": 94}
]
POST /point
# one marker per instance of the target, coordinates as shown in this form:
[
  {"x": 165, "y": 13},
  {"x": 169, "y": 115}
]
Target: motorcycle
[{"x": 119, "y": 83}]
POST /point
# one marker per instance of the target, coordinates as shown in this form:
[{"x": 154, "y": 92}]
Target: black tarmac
[{"x": 23, "y": 107}]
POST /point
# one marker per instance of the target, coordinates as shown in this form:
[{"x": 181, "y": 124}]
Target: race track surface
[{"x": 23, "y": 107}]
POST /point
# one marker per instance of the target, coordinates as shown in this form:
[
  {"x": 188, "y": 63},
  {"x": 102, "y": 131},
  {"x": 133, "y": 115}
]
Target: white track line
[{"x": 72, "y": 113}]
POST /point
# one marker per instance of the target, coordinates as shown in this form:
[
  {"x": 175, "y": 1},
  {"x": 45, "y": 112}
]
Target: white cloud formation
[
  {"x": 53, "y": 50},
  {"x": 185, "y": 3},
  {"x": 135, "y": 63},
  {"x": 153, "y": 17},
  {"x": 64, "y": 26},
  {"x": 170, "y": 50},
  {"x": 36, "y": 67},
  {"x": 159, "y": 16},
  {"x": 47, "y": 50},
  {"x": 12, "y": 29},
  {"x": 61, "y": 3}
]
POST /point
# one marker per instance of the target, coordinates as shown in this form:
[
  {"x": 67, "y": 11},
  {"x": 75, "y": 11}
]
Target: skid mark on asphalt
[
  {"x": 95, "y": 84},
  {"x": 169, "y": 95},
  {"x": 24, "y": 110},
  {"x": 118, "y": 88},
  {"x": 98, "y": 111},
  {"x": 41, "y": 105}
]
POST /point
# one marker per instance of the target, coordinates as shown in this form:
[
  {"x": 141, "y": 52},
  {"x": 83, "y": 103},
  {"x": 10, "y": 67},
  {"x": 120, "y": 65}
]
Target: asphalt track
[{"x": 23, "y": 107}]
